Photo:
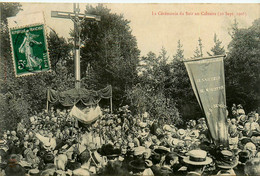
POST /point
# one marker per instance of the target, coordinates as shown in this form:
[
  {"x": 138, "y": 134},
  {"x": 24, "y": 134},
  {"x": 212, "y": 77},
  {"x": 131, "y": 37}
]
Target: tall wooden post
[
  {"x": 77, "y": 31},
  {"x": 47, "y": 103}
]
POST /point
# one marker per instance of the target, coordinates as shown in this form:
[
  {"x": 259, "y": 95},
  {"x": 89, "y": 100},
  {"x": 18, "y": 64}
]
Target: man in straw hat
[
  {"x": 196, "y": 160},
  {"x": 226, "y": 161}
]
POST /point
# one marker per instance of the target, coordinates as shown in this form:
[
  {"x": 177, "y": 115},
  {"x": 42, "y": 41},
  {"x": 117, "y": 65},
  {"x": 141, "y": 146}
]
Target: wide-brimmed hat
[
  {"x": 96, "y": 157},
  {"x": 255, "y": 139},
  {"x": 194, "y": 134},
  {"x": 137, "y": 165},
  {"x": 181, "y": 132},
  {"x": 245, "y": 140},
  {"x": 33, "y": 172},
  {"x": 250, "y": 146},
  {"x": 201, "y": 119},
  {"x": 226, "y": 160},
  {"x": 244, "y": 155},
  {"x": 240, "y": 127},
  {"x": 197, "y": 158},
  {"x": 243, "y": 118},
  {"x": 167, "y": 128},
  {"x": 174, "y": 141},
  {"x": 187, "y": 138},
  {"x": 2, "y": 142},
  {"x": 148, "y": 163},
  {"x": 143, "y": 124},
  {"x": 60, "y": 172},
  {"x": 116, "y": 153},
  {"x": 109, "y": 150},
  {"x": 161, "y": 150},
  {"x": 139, "y": 150},
  {"x": 25, "y": 164}
]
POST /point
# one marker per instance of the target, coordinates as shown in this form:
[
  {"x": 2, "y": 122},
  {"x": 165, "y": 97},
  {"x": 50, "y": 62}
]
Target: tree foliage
[
  {"x": 152, "y": 93},
  {"x": 110, "y": 51},
  {"x": 198, "y": 51},
  {"x": 59, "y": 50},
  {"x": 155, "y": 71},
  {"x": 217, "y": 49},
  {"x": 143, "y": 99},
  {"x": 180, "y": 90},
  {"x": 179, "y": 52},
  {"x": 21, "y": 96},
  {"x": 242, "y": 67},
  {"x": 6, "y": 10}
]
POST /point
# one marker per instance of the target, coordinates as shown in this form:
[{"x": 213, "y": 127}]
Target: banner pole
[
  {"x": 100, "y": 131},
  {"x": 77, "y": 136},
  {"x": 47, "y": 104},
  {"x": 111, "y": 105}
]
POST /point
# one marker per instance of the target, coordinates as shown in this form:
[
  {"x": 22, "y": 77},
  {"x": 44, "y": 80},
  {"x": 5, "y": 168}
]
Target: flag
[
  {"x": 87, "y": 118},
  {"x": 208, "y": 83}
]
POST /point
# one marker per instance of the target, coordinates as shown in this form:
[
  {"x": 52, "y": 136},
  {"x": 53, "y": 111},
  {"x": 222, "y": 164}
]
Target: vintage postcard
[{"x": 129, "y": 88}]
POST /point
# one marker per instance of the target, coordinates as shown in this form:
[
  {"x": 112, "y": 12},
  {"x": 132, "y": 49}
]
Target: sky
[{"x": 157, "y": 25}]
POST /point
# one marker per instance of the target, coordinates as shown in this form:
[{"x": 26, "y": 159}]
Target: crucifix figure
[{"x": 77, "y": 18}]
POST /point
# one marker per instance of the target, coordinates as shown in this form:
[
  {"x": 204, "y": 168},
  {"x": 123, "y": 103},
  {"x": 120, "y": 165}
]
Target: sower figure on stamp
[{"x": 27, "y": 48}]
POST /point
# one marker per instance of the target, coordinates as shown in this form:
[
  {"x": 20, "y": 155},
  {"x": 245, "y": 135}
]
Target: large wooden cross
[{"x": 77, "y": 18}]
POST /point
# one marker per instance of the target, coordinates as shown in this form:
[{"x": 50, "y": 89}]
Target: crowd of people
[{"x": 54, "y": 143}]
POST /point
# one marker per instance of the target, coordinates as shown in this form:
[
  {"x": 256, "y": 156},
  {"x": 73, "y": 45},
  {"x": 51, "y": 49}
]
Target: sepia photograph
[{"x": 149, "y": 89}]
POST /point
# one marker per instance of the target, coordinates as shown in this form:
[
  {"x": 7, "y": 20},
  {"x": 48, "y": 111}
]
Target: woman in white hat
[{"x": 181, "y": 133}]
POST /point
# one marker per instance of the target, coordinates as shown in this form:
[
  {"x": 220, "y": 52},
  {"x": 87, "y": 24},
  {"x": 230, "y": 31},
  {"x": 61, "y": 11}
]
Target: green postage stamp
[{"x": 30, "y": 50}]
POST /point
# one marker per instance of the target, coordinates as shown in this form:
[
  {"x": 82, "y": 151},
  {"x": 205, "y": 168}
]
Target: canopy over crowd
[{"x": 54, "y": 143}]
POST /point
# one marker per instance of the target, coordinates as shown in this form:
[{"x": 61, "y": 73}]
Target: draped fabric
[
  {"x": 73, "y": 96},
  {"x": 87, "y": 118},
  {"x": 208, "y": 83}
]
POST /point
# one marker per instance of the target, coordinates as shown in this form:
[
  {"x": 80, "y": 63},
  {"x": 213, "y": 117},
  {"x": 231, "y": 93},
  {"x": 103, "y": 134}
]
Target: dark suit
[
  {"x": 14, "y": 170},
  {"x": 166, "y": 171}
]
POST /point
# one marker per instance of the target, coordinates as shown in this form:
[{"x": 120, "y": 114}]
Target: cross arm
[{"x": 69, "y": 15}]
